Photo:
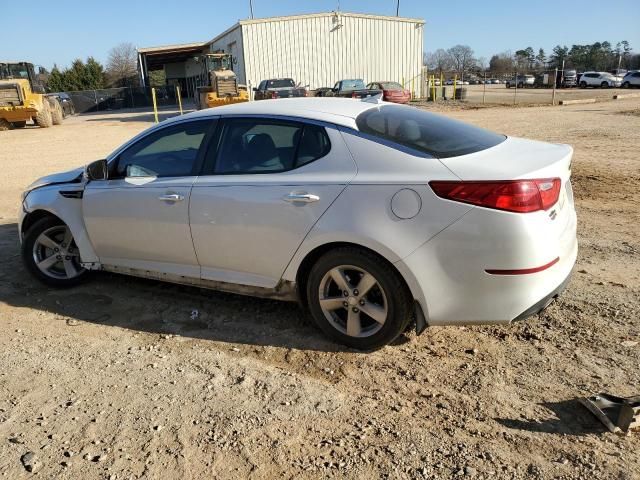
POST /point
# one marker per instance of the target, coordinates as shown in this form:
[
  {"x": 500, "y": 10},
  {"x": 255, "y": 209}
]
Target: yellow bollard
[
  {"x": 455, "y": 79},
  {"x": 155, "y": 105},
  {"x": 179, "y": 98},
  {"x": 442, "y": 84}
]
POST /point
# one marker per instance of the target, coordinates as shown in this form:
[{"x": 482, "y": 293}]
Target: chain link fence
[
  {"x": 547, "y": 87},
  {"x": 86, "y": 101}
]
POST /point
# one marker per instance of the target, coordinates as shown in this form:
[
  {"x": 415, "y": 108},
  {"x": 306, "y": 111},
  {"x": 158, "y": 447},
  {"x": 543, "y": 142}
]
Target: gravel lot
[{"x": 125, "y": 378}]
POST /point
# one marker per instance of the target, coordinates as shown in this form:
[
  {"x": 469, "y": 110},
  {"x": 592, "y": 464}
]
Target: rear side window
[
  {"x": 251, "y": 145},
  {"x": 428, "y": 132}
]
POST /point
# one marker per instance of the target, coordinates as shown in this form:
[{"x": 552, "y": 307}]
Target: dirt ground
[{"x": 124, "y": 378}]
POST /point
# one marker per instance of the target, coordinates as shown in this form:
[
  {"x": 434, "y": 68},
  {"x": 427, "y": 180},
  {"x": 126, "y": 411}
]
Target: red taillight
[
  {"x": 521, "y": 196},
  {"x": 274, "y": 94},
  {"x": 353, "y": 94}
]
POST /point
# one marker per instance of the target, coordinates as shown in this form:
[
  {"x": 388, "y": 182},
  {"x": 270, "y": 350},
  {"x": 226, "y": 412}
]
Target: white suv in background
[
  {"x": 631, "y": 79},
  {"x": 599, "y": 79}
]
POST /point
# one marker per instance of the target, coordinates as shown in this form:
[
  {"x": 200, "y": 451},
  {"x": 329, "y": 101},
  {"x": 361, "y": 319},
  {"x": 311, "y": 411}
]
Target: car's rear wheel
[
  {"x": 51, "y": 254},
  {"x": 358, "y": 299},
  {"x": 604, "y": 85}
]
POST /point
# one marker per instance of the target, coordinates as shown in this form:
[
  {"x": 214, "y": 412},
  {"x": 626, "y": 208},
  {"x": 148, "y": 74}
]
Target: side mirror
[
  {"x": 255, "y": 89},
  {"x": 96, "y": 170}
]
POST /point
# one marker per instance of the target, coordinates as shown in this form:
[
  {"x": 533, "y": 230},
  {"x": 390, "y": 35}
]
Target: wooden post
[{"x": 553, "y": 95}]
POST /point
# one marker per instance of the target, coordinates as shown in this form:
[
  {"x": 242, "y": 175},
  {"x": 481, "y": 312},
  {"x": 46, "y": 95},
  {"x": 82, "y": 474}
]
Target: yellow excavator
[
  {"x": 221, "y": 82},
  {"x": 22, "y": 98}
]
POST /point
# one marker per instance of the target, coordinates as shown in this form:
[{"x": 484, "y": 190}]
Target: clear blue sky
[{"x": 82, "y": 28}]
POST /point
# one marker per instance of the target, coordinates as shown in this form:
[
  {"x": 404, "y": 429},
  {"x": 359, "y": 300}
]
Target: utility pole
[
  {"x": 398, "y": 8},
  {"x": 251, "y": 8}
]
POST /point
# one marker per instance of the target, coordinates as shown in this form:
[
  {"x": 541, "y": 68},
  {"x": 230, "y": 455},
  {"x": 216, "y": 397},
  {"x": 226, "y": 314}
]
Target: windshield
[
  {"x": 391, "y": 85},
  {"x": 12, "y": 71},
  {"x": 352, "y": 85},
  {"x": 428, "y": 132},
  {"x": 280, "y": 83}
]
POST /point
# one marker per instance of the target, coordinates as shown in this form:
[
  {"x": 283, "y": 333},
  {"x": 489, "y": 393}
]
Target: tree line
[
  {"x": 121, "y": 71},
  {"x": 599, "y": 56}
]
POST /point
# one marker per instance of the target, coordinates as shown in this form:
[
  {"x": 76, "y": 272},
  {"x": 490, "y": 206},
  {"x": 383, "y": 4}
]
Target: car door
[
  {"x": 139, "y": 217},
  {"x": 266, "y": 182}
]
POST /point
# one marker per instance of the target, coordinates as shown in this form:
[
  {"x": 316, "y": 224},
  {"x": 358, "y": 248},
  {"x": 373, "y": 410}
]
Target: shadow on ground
[
  {"x": 570, "y": 418},
  {"x": 133, "y": 115},
  {"x": 159, "y": 307}
]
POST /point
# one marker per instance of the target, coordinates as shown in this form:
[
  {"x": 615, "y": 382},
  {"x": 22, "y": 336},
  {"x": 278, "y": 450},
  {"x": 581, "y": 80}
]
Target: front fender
[{"x": 69, "y": 210}]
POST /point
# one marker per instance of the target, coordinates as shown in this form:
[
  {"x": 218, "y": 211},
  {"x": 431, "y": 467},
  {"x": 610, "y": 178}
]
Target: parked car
[
  {"x": 495, "y": 81},
  {"x": 521, "y": 81},
  {"x": 353, "y": 88},
  {"x": 391, "y": 91},
  {"x": 618, "y": 72},
  {"x": 631, "y": 79},
  {"x": 599, "y": 79},
  {"x": 278, "y": 88},
  {"x": 368, "y": 213},
  {"x": 567, "y": 78},
  {"x": 65, "y": 103}
]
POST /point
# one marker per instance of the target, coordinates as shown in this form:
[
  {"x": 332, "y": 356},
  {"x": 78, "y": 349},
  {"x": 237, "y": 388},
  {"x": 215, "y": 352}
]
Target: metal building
[{"x": 318, "y": 49}]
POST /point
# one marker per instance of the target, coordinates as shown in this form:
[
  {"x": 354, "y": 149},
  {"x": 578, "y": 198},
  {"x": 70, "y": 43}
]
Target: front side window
[
  {"x": 249, "y": 145},
  {"x": 352, "y": 85},
  {"x": 170, "y": 152},
  {"x": 428, "y": 132}
]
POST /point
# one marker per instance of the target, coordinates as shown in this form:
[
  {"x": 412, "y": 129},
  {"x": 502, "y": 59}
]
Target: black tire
[
  {"x": 398, "y": 297},
  {"x": 604, "y": 85},
  {"x": 21, "y": 124},
  {"x": 43, "y": 117},
  {"x": 5, "y": 125},
  {"x": 56, "y": 113},
  {"x": 626, "y": 85},
  {"x": 583, "y": 84},
  {"x": 29, "y": 240}
]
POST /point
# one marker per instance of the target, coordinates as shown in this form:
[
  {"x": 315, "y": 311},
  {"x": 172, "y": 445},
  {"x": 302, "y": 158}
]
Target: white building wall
[{"x": 321, "y": 49}]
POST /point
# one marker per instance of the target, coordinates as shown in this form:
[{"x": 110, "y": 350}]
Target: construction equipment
[
  {"x": 22, "y": 98},
  {"x": 221, "y": 86}
]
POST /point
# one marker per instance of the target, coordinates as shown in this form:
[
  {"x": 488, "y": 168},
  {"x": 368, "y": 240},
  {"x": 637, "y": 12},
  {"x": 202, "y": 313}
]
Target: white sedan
[{"x": 372, "y": 215}]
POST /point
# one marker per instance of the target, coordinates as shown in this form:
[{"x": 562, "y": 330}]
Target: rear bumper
[
  {"x": 543, "y": 302},
  {"x": 448, "y": 274}
]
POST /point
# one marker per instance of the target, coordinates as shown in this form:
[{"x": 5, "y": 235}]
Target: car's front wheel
[
  {"x": 583, "y": 84},
  {"x": 358, "y": 299},
  {"x": 51, "y": 254}
]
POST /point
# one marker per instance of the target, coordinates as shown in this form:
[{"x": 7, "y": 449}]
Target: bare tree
[
  {"x": 462, "y": 58},
  {"x": 439, "y": 60},
  {"x": 122, "y": 69}
]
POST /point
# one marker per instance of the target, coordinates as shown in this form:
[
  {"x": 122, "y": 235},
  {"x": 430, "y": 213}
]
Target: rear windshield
[
  {"x": 352, "y": 85},
  {"x": 428, "y": 132},
  {"x": 391, "y": 86},
  {"x": 281, "y": 83}
]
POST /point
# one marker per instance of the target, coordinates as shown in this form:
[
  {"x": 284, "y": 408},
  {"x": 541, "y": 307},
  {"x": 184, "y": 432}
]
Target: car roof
[{"x": 339, "y": 111}]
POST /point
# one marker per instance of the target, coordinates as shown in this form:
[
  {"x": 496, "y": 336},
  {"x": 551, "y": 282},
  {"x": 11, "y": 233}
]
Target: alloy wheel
[
  {"x": 353, "y": 301},
  {"x": 56, "y": 255}
]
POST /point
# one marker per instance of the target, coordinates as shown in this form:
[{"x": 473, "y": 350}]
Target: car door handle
[
  {"x": 301, "y": 197},
  {"x": 171, "y": 197}
]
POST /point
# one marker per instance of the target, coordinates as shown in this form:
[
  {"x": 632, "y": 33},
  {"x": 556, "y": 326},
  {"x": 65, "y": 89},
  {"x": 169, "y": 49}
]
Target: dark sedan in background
[
  {"x": 65, "y": 103},
  {"x": 278, "y": 88}
]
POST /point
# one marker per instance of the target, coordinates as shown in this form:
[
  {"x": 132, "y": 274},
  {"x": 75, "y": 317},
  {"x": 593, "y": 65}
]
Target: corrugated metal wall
[{"x": 319, "y": 50}]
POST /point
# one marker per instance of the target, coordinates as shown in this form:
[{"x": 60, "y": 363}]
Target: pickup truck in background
[
  {"x": 278, "y": 88},
  {"x": 353, "y": 88}
]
